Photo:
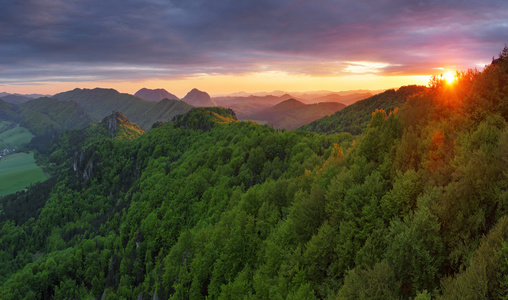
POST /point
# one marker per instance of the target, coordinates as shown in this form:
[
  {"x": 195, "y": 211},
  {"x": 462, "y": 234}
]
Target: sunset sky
[{"x": 223, "y": 46}]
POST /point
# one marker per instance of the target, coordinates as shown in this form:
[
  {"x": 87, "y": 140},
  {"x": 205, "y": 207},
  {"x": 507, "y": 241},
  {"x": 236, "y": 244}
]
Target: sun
[{"x": 449, "y": 77}]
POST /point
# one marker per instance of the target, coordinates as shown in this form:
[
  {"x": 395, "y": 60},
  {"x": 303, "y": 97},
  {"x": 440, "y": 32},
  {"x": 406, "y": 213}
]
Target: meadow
[
  {"x": 13, "y": 137},
  {"x": 17, "y": 171}
]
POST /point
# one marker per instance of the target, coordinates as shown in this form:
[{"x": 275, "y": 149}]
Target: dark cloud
[{"x": 63, "y": 40}]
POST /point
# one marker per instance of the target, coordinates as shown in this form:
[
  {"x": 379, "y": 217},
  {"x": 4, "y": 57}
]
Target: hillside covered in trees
[
  {"x": 98, "y": 103},
  {"x": 44, "y": 115},
  {"x": 355, "y": 117},
  {"x": 211, "y": 207}
]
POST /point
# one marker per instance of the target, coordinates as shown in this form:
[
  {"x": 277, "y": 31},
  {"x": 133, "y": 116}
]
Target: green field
[
  {"x": 17, "y": 171},
  {"x": 14, "y": 137}
]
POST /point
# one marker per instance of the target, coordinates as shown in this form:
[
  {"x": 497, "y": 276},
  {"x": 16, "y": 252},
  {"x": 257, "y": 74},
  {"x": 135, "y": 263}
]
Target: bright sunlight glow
[{"x": 449, "y": 77}]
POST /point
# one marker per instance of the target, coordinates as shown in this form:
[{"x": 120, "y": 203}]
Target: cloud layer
[{"x": 72, "y": 40}]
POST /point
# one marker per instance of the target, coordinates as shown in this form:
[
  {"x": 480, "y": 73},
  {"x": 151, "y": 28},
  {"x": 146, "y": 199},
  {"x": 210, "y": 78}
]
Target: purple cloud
[{"x": 58, "y": 40}]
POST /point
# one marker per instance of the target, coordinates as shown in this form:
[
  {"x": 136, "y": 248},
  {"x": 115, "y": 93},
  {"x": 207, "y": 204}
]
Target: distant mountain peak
[
  {"x": 289, "y": 103},
  {"x": 198, "y": 98},
  {"x": 196, "y": 91},
  {"x": 155, "y": 94}
]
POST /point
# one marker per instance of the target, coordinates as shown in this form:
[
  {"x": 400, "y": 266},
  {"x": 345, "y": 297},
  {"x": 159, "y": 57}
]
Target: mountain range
[
  {"x": 291, "y": 113},
  {"x": 247, "y": 105},
  {"x": 99, "y": 103},
  {"x": 306, "y": 94},
  {"x": 251, "y": 104},
  {"x": 78, "y": 107},
  {"x": 19, "y": 98}
]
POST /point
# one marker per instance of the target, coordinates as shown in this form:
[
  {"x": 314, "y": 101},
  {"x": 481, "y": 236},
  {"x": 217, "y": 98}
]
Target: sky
[{"x": 223, "y": 46}]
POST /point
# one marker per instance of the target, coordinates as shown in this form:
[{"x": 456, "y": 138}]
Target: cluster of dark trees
[{"x": 208, "y": 207}]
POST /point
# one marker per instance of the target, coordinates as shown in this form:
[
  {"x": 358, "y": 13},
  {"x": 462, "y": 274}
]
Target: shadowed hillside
[
  {"x": 247, "y": 105},
  {"x": 45, "y": 115},
  {"x": 99, "y": 103},
  {"x": 291, "y": 114}
]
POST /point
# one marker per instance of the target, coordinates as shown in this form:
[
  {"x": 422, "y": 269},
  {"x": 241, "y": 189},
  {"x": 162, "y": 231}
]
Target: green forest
[{"x": 411, "y": 205}]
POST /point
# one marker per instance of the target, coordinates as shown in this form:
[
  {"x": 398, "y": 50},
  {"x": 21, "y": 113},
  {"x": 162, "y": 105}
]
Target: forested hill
[
  {"x": 355, "y": 117},
  {"x": 99, "y": 103},
  {"x": 415, "y": 207},
  {"x": 45, "y": 115}
]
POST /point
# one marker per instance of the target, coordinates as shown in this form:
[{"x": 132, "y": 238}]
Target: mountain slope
[
  {"x": 19, "y": 98},
  {"x": 43, "y": 115},
  {"x": 198, "y": 98},
  {"x": 355, "y": 117},
  {"x": 291, "y": 114},
  {"x": 8, "y": 111},
  {"x": 205, "y": 118},
  {"x": 16, "y": 99},
  {"x": 101, "y": 102},
  {"x": 164, "y": 110},
  {"x": 155, "y": 95},
  {"x": 120, "y": 127}
]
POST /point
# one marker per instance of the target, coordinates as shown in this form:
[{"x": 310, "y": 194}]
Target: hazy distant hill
[
  {"x": 155, "y": 94},
  {"x": 321, "y": 93},
  {"x": 344, "y": 99},
  {"x": 250, "y": 104},
  {"x": 198, "y": 98},
  {"x": 19, "y": 98},
  {"x": 291, "y": 114},
  {"x": 355, "y": 117},
  {"x": 101, "y": 102},
  {"x": 247, "y": 105},
  {"x": 16, "y": 99}
]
